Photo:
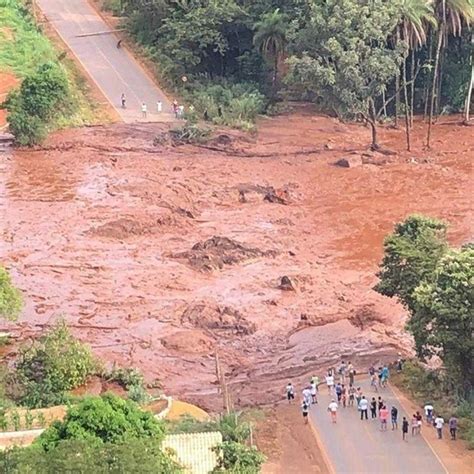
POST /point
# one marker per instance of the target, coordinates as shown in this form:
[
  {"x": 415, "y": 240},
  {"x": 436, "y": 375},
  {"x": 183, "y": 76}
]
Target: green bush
[
  {"x": 51, "y": 366},
  {"x": 239, "y": 458},
  {"x": 10, "y": 298},
  {"x": 39, "y": 100},
  {"x": 104, "y": 419},
  {"x": 79, "y": 456}
]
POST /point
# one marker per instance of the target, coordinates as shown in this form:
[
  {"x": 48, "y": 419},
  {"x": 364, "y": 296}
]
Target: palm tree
[
  {"x": 452, "y": 14},
  {"x": 416, "y": 15},
  {"x": 270, "y": 38}
]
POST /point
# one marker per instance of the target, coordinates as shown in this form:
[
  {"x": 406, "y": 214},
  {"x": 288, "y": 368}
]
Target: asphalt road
[
  {"x": 114, "y": 70},
  {"x": 355, "y": 446}
]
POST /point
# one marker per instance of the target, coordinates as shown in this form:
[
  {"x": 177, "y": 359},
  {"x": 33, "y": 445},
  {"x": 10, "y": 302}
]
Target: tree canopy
[
  {"x": 435, "y": 283},
  {"x": 104, "y": 419}
]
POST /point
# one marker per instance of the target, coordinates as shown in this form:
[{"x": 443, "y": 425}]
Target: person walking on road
[
  {"x": 352, "y": 392},
  {"x": 419, "y": 420},
  {"x": 385, "y": 375},
  {"x": 307, "y": 395},
  {"x": 338, "y": 390},
  {"x": 159, "y": 106},
  {"x": 383, "y": 414},
  {"x": 453, "y": 427},
  {"x": 123, "y": 100},
  {"x": 351, "y": 371},
  {"x": 404, "y": 428},
  {"x": 314, "y": 391},
  {"x": 373, "y": 383},
  {"x": 290, "y": 392},
  {"x": 344, "y": 396},
  {"x": 144, "y": 110},
  {"x": 414, "y": 425},
  {"x": 330, "y": 381},
  {"x": 358, "y": 397},
  {"x": 315, "y": 380},
  {"x": 394, "y": 414},
  {"x": 332, "y": 409},
  {"x": 380, "y": 403},
  {"x": 373, "y": 408},
  {"x": 342, "y": 372},
  {"x": 439, "y": 423},
  {"x": 305, "y": 411},
  {"x": 429, "y": 413},
  {"x": 363, "y": 407}
]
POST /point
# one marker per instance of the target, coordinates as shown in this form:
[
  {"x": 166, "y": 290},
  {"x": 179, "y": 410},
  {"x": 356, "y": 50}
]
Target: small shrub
[
  {"x": 41, "y": 419},
  {"x": 10, "y": 298},
  {"x": 239, "y": 458},
  {"x": 126, "y": 377},
  {"x": 29, "y": 419},
  {"x": 138, "y": 394},
  {"x": 51, "y": 366},
  {"x": 15, "y": 420},
  {"x": 3, "y": 420}
]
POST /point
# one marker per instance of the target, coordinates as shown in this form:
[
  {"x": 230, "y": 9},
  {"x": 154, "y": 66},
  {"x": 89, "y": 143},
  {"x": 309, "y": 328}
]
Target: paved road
[
  {"x": 355, "y": 446},
  {"x": 113, "y": 70}
]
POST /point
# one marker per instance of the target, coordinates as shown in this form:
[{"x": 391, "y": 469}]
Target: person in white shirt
[
  {"x": 307, "y": 395},
  {"x": 363, "y": 407},
  {"x": 332, "y": 409},
  {"x": 290, "y": 392},
  {"x": 429, "y": 413},
  {"x": 330, "y": 382},
  {"x": 439, "y": 423},
  {"x": 144, "y": 110},
  {"x": 314, "y": 390},
  {"x": 159, "y": 106}
]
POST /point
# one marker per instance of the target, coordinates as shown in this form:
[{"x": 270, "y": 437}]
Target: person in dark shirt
[
  {"x": 404, "y": 428},
  {"x": 394, "y": 413},
  {"x": 373, "y": 408}
]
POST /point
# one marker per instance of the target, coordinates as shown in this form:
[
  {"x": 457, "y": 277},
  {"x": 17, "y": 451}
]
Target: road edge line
[
  {"x": 320, "y": 444},
  {"x": 396, "y": 392},
  {"x": 68, "y": 47}
]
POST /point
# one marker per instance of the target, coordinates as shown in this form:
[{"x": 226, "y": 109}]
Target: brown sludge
[{"x": 159, "y": 256}]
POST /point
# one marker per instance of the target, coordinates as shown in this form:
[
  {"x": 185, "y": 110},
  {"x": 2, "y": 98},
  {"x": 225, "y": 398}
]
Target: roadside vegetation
[
  {"x": 11, "y": 301},
  {"x": 52, "y": 93},
  {"x": 105, "y": 433},
  {"x": 435, "y": 284},
  {"x": 379, "y": 61}
]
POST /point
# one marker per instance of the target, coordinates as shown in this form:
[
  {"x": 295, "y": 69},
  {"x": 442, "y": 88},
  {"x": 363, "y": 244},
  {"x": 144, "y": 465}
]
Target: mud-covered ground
[{"x": 160, "y": 256}]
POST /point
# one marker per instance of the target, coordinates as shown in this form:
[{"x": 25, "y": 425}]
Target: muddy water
[{"x": 92, "y": 228}]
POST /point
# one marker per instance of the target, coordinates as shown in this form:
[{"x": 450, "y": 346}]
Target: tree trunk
[
  {"x": 428, "y": 82},
  {"x": 407, "y": 106},
  {"x": 384, "y": 105},
  {"x": 412, "y": 87},
  {"x": 373, "y": 125},
  {"x": 397, "y": 87},
  {"x": 467, "y": 106},
  {"x": 434, "y": 83},
  {"x": 442, "y": 60}
]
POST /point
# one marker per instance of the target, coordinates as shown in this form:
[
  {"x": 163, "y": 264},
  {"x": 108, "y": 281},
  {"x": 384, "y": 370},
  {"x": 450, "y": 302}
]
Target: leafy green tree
[
  {"x": 239, "y": 459},
  {"x": 270, "y": 38},
  {"x": 444, "y": 309},
  {"x": 51, "y": 366},
  {"x": 104, "y": 419},
  {"x": 343, "y": 55},
  {"x": 79, "y": 456},
  {"x": 411, "y": 255},
  {"x": 10, "y": 298},
  {"x": 37, "y": 102}
]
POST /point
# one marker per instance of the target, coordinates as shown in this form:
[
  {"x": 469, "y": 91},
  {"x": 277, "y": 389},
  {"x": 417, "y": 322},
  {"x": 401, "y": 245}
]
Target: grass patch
[
  {"x": 424, "y": 386},
  {"x": 24, "y": 46}
]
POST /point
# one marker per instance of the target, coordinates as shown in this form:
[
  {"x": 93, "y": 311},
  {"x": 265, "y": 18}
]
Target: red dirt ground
[{"x": 99, "y": 226}]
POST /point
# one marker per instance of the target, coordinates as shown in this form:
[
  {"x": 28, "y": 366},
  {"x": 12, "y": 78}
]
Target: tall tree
[
  {"x": 444, "y": 312},
  {"x": 343, "y": 56},
  {"x": 416, "y": 17},
  {"x": 467, "y": 105},
  {"x": 452, "y": 14},
  {"x": 270, "y": 38}
]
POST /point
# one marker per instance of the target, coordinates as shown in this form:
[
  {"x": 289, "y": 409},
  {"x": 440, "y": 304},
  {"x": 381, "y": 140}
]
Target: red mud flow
[{"x": 158, "y": 256}]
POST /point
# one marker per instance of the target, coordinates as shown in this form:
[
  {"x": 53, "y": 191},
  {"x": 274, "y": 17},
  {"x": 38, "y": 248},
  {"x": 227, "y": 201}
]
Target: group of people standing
[
  {"x": 178, "y": 110},
  {"x": 341, "y": 386}
]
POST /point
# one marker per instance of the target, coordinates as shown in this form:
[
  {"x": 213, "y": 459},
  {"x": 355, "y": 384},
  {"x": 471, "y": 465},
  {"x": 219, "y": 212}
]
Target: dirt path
[
  {"x": 288, "y": 443},
  {"x": 117, "y": 235}
]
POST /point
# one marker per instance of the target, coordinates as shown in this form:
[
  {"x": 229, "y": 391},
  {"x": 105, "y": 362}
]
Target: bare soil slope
[{"x": 160, "y": 256}]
